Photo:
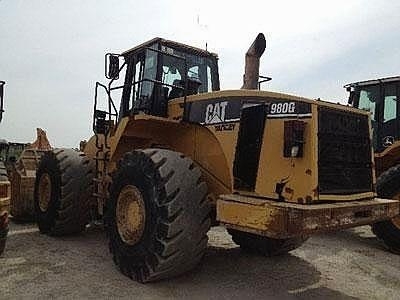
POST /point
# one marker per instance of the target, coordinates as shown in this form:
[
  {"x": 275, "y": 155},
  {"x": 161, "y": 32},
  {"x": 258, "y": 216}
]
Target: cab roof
[
  {"x": 174, "y": 45},
  {"x": 373, "y": 81}
]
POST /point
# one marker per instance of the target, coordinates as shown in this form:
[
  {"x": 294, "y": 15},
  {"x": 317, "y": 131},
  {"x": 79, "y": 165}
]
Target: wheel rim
[
  {"x": 396, "y": 219},
  {"x": 44, "y": 192},
  {"x": 130, "y": 214}
]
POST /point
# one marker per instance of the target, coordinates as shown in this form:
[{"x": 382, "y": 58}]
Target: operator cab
[
  {"x": 11, "y": 151},
  {"x": 158, "y": 71},
  {"x": 380, "y": 97}
]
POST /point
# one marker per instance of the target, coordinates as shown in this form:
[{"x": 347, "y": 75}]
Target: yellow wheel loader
[
  {"x": 381, "y": 97},
  {"x": 179, "y": 155}
]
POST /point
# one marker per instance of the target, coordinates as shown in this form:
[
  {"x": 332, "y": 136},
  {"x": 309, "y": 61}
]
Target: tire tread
[
  {"x": 387, "y": 186},
  {"x": 180, "y": 234},
  {"x": 75, "y": 174}
]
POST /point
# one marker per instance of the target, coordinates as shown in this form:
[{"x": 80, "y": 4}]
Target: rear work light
[{"x": 293, "y": 138}]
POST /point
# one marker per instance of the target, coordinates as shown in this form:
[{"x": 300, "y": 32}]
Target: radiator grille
[{"x": 344, "y": 152}]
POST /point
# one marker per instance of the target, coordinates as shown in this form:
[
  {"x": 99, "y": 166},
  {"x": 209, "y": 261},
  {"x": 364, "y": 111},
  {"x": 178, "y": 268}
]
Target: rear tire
[
  {"x": 63, "y": 191},
  {"x": 264, "y": 245},
  {"x": 388, "y": 231},
  {"x": 172, "y": 237}
]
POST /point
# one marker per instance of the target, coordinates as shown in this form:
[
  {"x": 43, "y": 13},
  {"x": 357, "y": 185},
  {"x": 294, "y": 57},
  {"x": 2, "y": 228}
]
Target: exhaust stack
[{"x": 252, "y": 64}]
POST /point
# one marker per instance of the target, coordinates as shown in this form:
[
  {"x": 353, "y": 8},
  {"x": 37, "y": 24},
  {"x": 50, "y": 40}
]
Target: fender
[
  {"x": 195, "y": 141},
  {"x": 388, "y": 158}
]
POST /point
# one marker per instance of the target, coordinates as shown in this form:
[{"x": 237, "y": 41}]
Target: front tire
[
  {"x": 63, "y": 191},
  {"x": 264, "y": 245},
  {"x": 388, "y": 231},
  {"x": 158, "y": 215}
]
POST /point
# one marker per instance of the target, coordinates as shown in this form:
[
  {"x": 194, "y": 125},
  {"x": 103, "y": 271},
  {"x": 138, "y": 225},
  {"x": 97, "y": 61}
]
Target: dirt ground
[{"x": 349, "y": 264}]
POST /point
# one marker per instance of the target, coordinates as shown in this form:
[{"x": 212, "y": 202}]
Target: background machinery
[
  {"x": 21, "y": 161},
  {"x": 381, "y": 98},
  {"x": 22, "y": 177},
  {"x": 10, "y": 152},
  {"x": 179, "y": 155}
]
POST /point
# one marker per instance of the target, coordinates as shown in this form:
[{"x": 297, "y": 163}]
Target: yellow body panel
[
  {"x": 213, "y": 148},
  {"x": 285, "y": 220},
  {"x": 299, "y": 173},
  {"x": 387, "y": 158}
]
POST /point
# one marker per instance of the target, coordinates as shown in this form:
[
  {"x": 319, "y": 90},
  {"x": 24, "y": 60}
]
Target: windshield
[
  {"x": 157, "y": 74},
  {"x": 199, "y": 69}
]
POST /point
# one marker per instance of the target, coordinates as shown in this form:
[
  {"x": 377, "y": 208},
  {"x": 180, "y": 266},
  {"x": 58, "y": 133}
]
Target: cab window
[
  {"x": 368, "y": 99},
  {"x": 149, "y": 73},
  {"x": 199, "y": 69},
  {"x": 390, "y": 103},
  {"x": 144, "y": 73},
  {"x": 173, "y": 79},
  {"x": 170, "y": 75},
  {"x": 209, "y": 79}
]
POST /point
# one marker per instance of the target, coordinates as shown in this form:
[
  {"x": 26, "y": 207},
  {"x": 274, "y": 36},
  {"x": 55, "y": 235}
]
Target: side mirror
[{"x": 112, "y": 66}]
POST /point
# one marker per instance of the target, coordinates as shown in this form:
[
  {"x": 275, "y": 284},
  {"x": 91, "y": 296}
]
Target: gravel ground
[{"x": 349, "y": 264}]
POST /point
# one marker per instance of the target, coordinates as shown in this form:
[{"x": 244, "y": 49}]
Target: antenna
[{"x": 202, "y": 27}]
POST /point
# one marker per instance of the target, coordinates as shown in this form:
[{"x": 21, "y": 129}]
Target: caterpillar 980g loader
[
  {"x": 381, "y": 97},
  {"x": 180, "y": 155}
]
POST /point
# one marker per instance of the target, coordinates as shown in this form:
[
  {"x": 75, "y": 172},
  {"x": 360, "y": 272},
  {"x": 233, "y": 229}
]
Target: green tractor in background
[{"x": 381, "y": 98}]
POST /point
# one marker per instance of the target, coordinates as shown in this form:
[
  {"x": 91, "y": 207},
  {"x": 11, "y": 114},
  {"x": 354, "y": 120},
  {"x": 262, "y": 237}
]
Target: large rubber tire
[
  {"x": 263, "y": 245},
  {"x": 388, "y": 186},
  {"x": 177, "y": 215},
  {"x": 71, "y": 180}
]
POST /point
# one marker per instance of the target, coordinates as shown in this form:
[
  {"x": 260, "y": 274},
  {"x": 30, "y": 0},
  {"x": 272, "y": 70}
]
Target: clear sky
[{"x": 52, "y": 52}]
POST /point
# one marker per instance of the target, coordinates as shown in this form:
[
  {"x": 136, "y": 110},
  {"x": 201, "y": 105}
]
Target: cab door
[
  {"x": 390, "y": 120},
  {"x": 370, "y": 99}
]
